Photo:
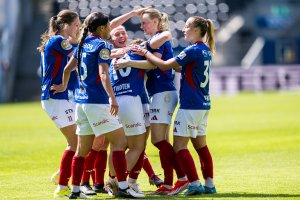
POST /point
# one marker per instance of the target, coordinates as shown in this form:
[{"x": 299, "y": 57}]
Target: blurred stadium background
[{"x": 258, "y": 42}]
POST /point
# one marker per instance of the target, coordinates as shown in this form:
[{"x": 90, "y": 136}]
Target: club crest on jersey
[
  {"x": 65, "y": 44},
  {"x": 104, "y": 54},
  {"x": 181, "y": 55}
]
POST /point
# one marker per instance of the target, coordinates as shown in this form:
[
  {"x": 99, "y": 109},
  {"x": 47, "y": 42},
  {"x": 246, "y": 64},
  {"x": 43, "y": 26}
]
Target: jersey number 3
[{"x": 207, "y": 64}]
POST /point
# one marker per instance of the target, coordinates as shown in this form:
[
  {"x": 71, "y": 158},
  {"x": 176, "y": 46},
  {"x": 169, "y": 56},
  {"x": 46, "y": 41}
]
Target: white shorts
[
  {"x": 190, "y": 123},
  {"x": 162, "y": 107},
  {"x": 131, "y": 114},
  {"x": 146, "y": 114},
  {"x": 61, "y": 111},
  {"x": 95, "y": 119}
]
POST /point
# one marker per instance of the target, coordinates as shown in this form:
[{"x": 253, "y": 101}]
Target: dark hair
[
  {"x": 206, "y": 26},
  {"x": 90, "y": 24},
  {"x": 56, "y": 23}
]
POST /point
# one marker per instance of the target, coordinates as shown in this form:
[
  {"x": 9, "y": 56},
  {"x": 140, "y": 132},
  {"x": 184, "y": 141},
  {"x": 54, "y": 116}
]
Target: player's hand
[
  {"x": 121, "y": 63},
  {"x": 114, "y": 107},
  {"x": 138, "y": 12},
  {"x": 122, "y": 51},
  {"x": 57, "y": 88},
  {"x": 139, "y": 50}
]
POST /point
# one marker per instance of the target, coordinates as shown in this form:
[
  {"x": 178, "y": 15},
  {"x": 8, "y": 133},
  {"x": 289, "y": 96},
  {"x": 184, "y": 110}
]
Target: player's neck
[
  {"x": 63, "y": 33},
  {"x": 197, "y": 40}
]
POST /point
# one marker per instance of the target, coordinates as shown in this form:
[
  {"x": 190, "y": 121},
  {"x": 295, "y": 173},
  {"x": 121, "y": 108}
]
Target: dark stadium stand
[{"x": 258, "y": 42}]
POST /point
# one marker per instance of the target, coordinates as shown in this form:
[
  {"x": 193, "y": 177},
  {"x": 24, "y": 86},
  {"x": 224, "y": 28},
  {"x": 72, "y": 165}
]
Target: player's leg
[
  {"x": 100, "y": 166},
  {"x": 136, "y": 145},
  {"x": 205, "y": 157},
  {"x": 118, "y": 144}
]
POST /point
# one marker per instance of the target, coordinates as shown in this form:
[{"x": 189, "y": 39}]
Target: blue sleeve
[
  {"x": 153, "y": 50},
  {"x": 63, "y": 46},
  {"x": 104, "y": 53},
  {"x": 185, "y": 56}
]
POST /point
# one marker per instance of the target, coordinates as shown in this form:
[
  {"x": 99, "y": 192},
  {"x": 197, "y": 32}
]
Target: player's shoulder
[
  {"x": 200, "y": 49},
  {"x": 60, "y": 41},
  {"x": 104, "y": 49}
]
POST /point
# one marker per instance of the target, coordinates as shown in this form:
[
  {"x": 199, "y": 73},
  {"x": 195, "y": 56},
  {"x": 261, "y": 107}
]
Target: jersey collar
[{"x": 199, "y": 42}]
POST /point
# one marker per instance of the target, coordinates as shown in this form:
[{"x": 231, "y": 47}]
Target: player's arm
[
  {"x": 123, "y": 18},
  {"x": 159, "y": 40},
  {"x": 140, "y": 64},
  {"x": 103, "y": 72},
  {"x": 119, "y": 52},
  {"x": 161, "y": 64},
  {"x": 66, "y": 76}
]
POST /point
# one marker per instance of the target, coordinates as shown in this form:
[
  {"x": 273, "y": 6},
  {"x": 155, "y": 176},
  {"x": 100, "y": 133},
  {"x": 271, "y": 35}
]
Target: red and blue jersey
[
  {"x": 194, "y": 85},
  {"x": 158, "y": 80},
  {"x": 129, "y": 80},
  {"x": 53, "y": 61},
  {"x": 94, "y": 52}
]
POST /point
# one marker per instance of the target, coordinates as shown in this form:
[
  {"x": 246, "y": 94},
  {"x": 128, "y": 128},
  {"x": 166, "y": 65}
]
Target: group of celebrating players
[{"x": 93, "y": 89}]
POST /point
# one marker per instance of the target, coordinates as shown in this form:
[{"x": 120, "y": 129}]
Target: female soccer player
[
  {"x": 55, "y": 50},
  {"x": 162, "y": 92},
  {"x": 191, "y": 119},
  {"x": 96, "y": 107},
  {"x": 128, "y": 85}
]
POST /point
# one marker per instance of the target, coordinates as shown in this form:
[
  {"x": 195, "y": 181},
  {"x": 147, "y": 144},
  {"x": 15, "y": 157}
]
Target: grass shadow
[{"x": 214, "y": 196}]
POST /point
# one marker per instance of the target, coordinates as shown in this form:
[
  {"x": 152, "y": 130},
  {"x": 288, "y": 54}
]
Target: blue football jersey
[
  {"x": 74, "y": 79},
  {"x": 144, "y": 96},
  {"x": 129, "y": 80},
  {"x": 158, "y": 80},
  {"x": 194, "y": 85},
  {"x": 53, "y": 61},
  {"x": 94, "y": 52}
]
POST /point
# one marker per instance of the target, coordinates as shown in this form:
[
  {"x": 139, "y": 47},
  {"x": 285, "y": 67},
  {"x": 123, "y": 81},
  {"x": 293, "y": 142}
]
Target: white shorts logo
[{"x": 104, "y": 54}]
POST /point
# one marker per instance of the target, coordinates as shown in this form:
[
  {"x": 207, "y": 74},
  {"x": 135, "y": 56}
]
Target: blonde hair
[
  {"x": 206, "y": 26},
  {"x": 57, "y": 23},
  {"x": 163, "y": 18},
  {"x": 136, "y": 41}
]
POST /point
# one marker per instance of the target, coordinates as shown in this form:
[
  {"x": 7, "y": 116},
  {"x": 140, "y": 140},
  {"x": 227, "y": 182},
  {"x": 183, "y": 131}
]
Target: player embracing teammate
[{"x": 97, "y": 107}]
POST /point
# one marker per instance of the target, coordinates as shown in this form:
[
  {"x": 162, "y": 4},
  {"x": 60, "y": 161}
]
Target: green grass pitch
[{"x": 254, "y": 140}]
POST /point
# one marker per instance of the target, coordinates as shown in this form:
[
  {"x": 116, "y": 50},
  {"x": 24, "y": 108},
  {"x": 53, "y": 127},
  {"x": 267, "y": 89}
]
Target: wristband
[{"x": 145, "y": 52}]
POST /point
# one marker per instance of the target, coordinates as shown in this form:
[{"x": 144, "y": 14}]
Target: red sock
[
  {"x": 147, "y": 166},
  {"x": 168, "y": 169},
  {"x": 88, "y": 166},
  {"x": 65, "y": 167},
  {"x": 134, "y": 173},
  {"x": 169, "y": 154},
  {"x": 77, "y": 169},
  {"x": 206, "y": 162},
  {"x": 187, "y": 163},
  {"x": 100, "y": 167},
  {"x": 119, "y": 162}
]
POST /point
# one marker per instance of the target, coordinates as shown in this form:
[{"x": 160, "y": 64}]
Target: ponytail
[
  {"x": 163, "y": 18},
  {"x": 80, "y": 46},
  {"x": 57, "y": 23},
  {"x": 210, "y": 38},
  {"x": 206, "y": 27},
  {"x": 164, "y": 22}
]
